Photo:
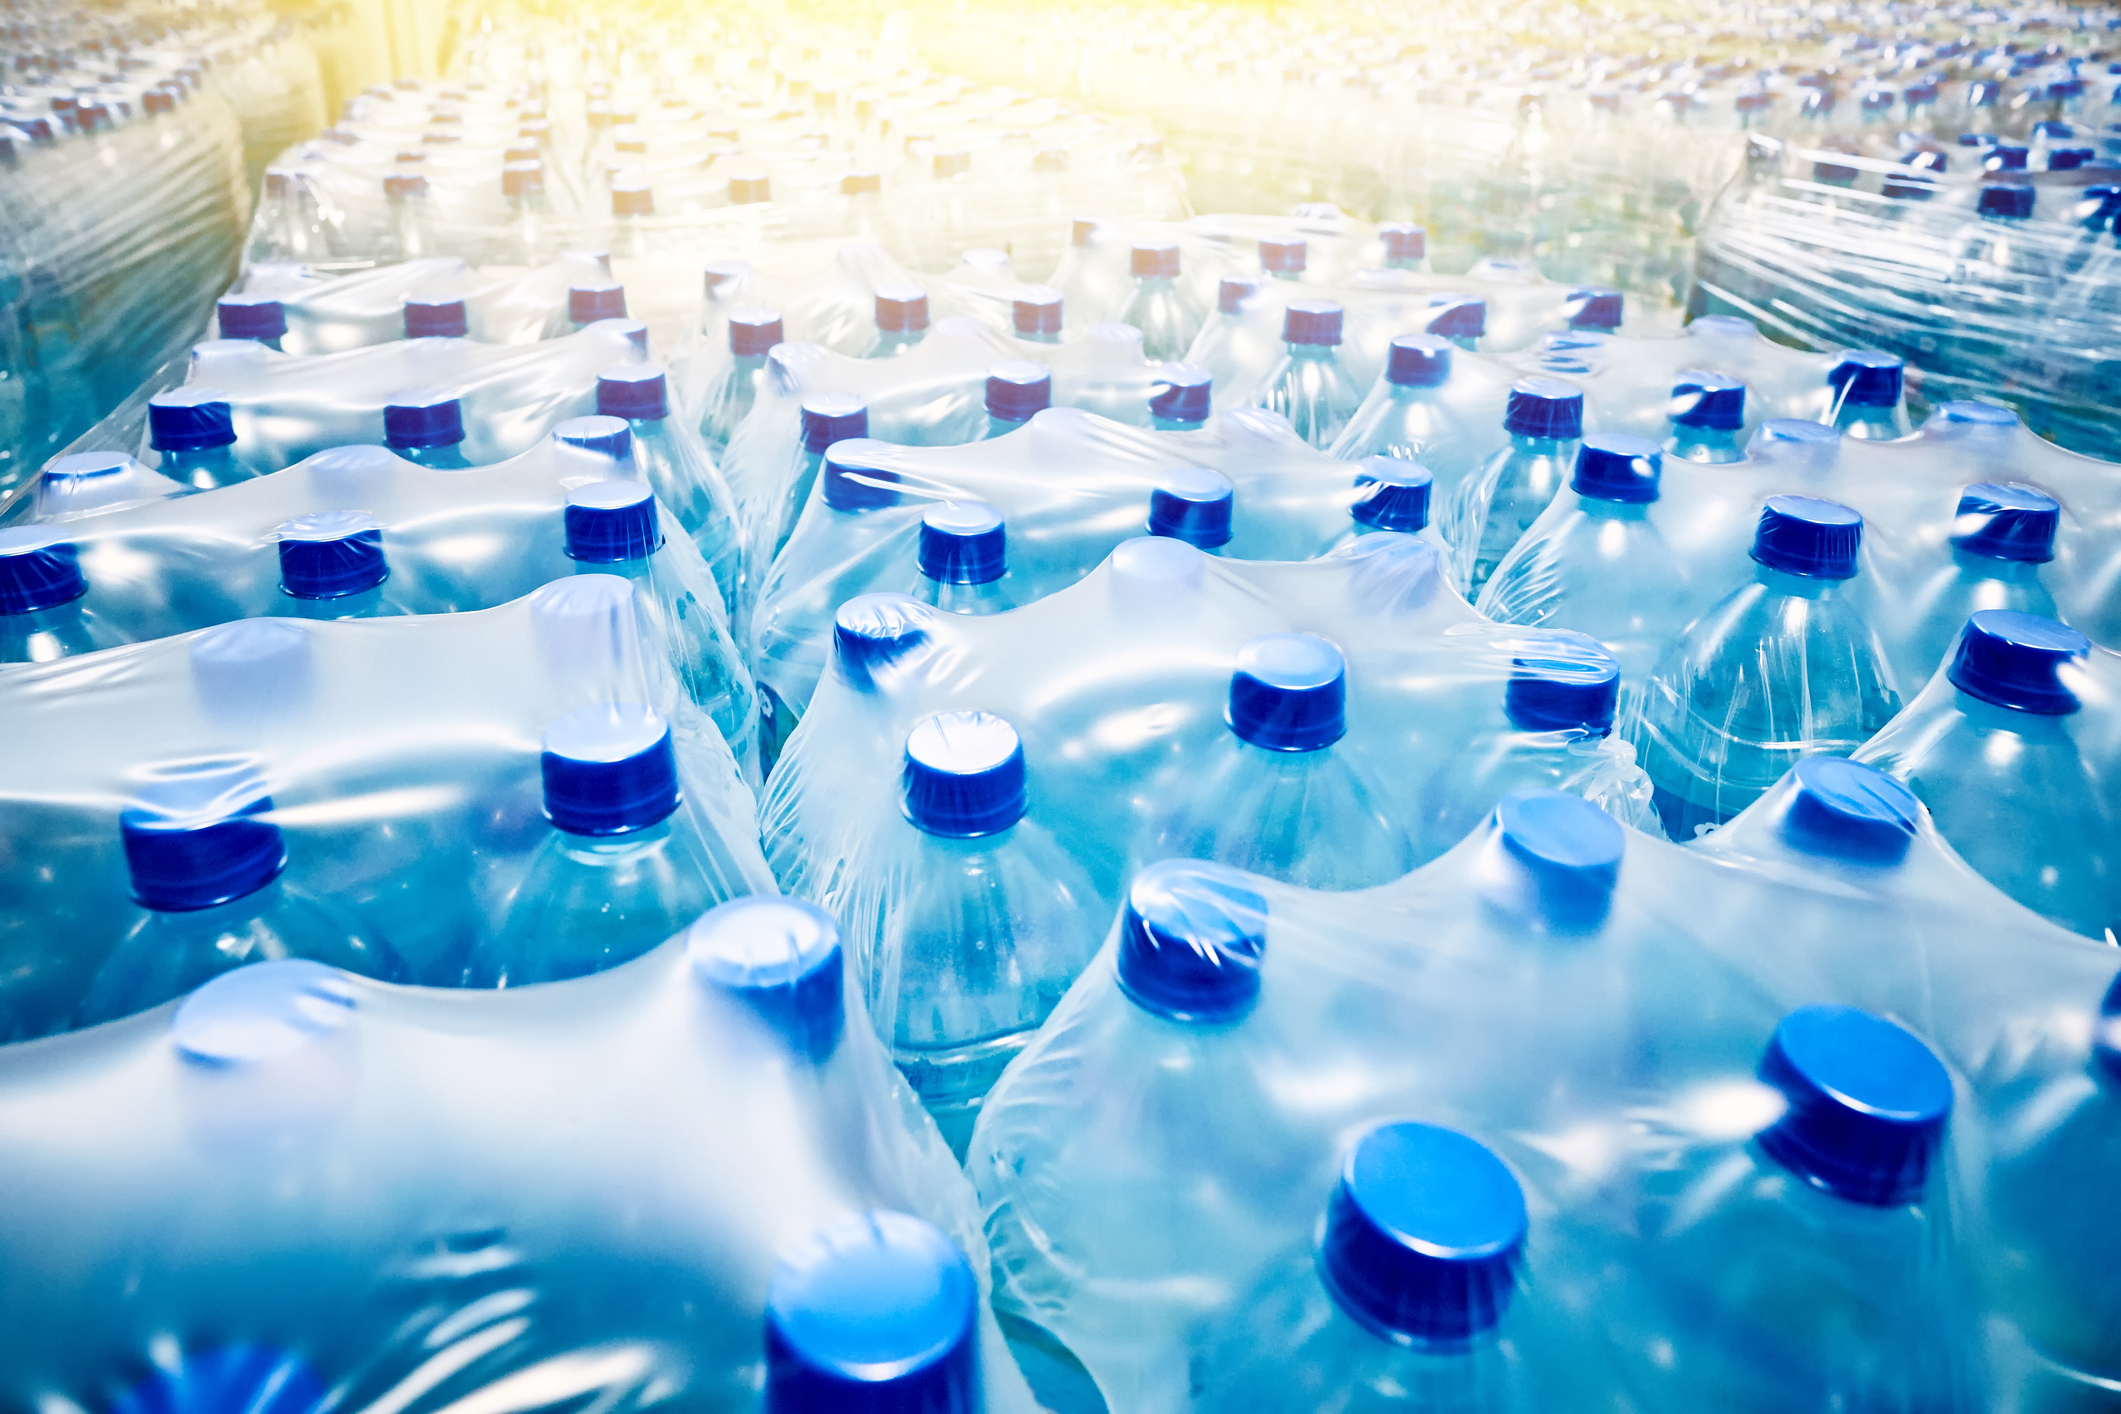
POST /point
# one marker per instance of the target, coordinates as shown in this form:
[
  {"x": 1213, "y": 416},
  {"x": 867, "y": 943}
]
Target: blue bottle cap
[
  {"x": 855, "y": 477},
  {"x": 1460, "y": 317},
  {"x": 260, "y": 1012},
  {"x": 1562, "y": 681},
  {"x": 256, "y": 1379},
  {"x": 1423, "y": 1235},
  {"x": 1404, "y": 242},
  {"x": 1184, "y": 393},
  {"x": 2006, "y": 200},
  {"x": 2016, "y": 660},
  {"x": 195, "y": 840},
  {"x": 877, "y": 1314},
  {"x": 1601, "y": 310},
  {"x": 596, "y": 299},
  {"x": 1312, "y": 321},
  {"x": 1193, "y": 504},
  {"x": 2068, "y": 159},
  {"x": 609, "y": 769},
  {"x": 964, "y": 775},
  {"x": 423, "y": 417},
  {"x": 2007, "y": 157},
  {"x": 190, "y": 419},
  {"x": 1153, "y": 259},
  {"x": 1967, "y": 413},
  {"x": 754, "y": 331},
  {"x": 38, "y": 569},
  {"x": 2005, "y": 522},
  {"x": 331, "y": 554},
  {"x": 1868, "y": 1103},
  {"x": 871, "y": 631},
  {"x": 1837, "y": 174},
  {"x": 2106, "y": 1038},
  {"x": 76, "y": 468},
  {"x": 1613, "y": 466},
  {"x": 612, "y": 521},
  {"x": 1571, "y": 851},
  {"x": 1392, "y": 494},
  {"x": 436, "y": 319},
  {"x": 1191, "y": 941},
  {"x": 1867, "y": 378},
  {"x": 963, "y": 542},
  {"x": 607, "y": 436},
  {"x": 1712, "y": 400},
  {"x": 1036, "y": 310},
  {"x": 1283, "y": 257},
  {"x": 1289, "y": 693},
  {"x": 833, "y": 417},
  {"x": 1232, "y": 292},
  {"x": 1982, "y": 140},
  {"x": 1927, "y": 160},
  {"x": 634, "y": 391},
  {"x": 1418, "y": 361},
  {"x": 1850, "y": 811},
  {"x": 1017, "y": 388},
  {"x": 1907, "y": 189},
  {"x": 251, "y": 317},
  {"x": 901, "y": 309},
  {"x": 1544, "y": 407},
  {"x": 1804, "y": 536},
  {"x": 781, "y": 958}
]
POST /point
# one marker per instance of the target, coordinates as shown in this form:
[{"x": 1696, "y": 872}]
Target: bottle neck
[
  {"x": 1602, "y": 509},
  {"x": 2022, "y": 572},
  {"x": 1313, "y": 353},
  {"x": 1552, "y": 447},
  {"x": 611, "y": 851},
  {"x": 1705, "y": 444},
  {"x": 1166, "y": 424},
  {"x": 1794, "y": 586}
]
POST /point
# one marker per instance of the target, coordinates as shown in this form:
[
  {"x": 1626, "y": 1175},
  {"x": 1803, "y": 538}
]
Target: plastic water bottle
[
  {"x": 1544, "y": 417},
  {"x": 875, "y": 1314},
  {"x": 780, "y": 959},
  {"x": 901, "y": 321},
  {"x": 753, "y": 333},
  {"x": 1409, "y": 410},
  {"x": 1560, "y": 702},
  {"x": 1824, "y": 1237},
  {"x": 2000, "y": 538},
  {"x": 436, "y": 318},
  {"x": 676, "y": 466},
  {"x": 1184, "y": 396},
  {"x": 1230, "y": 345},
  {"x": 206, "y": 864},
  {"x": 426, "y": 426},
  {"x": 1990, "y": 751},
  {"x": 332, "y": 566},
  {"x": 988, "y": 922},
  {"x": 1194, "y": 504},
  {"x": 591, "y": 300},
  {"x": 1284, "y": 259},
  {"x": 42, "y": 616},
  {"x": 798, "y": 607},
  {"x": 1157, "y": 305},
  {"x": 258, "y": 317},
  {"x": 1782, "y": 668},
  {"x": 1405, "y": 1302},
  {"x": 964, "y": 559},
  {"x": 1596, "y": 562},
  {"x": 195, "y": 431},
  {"x": 1868, "y": 403},
  {"x": 1018, "y": 389},
  {"x": 826, "y": 419},
  {"x": 1309, "y": 385},
  {"x": 623, "y": 868},
  {"x": 612, "y": 528},
  {"x": 1035, "y": 314},
  {"x": 1708, "y": 411},
  {"x": 1275, "y": 798}
]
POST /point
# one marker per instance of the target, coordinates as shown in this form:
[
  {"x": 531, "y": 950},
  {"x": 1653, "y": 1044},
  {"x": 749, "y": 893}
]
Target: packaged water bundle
[{"x": 304, "y": 310}]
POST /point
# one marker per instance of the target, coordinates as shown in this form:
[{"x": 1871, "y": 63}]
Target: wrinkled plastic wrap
[
  {"x": 401, "y": 756},
  {"x": 1136, "y": 1172},
  {"x": 1831, "y": 247},
  {"x": 1117, "y": 684},
  {"x": 330, "y": 313},
  {"x": 308, "y": 1181}
]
